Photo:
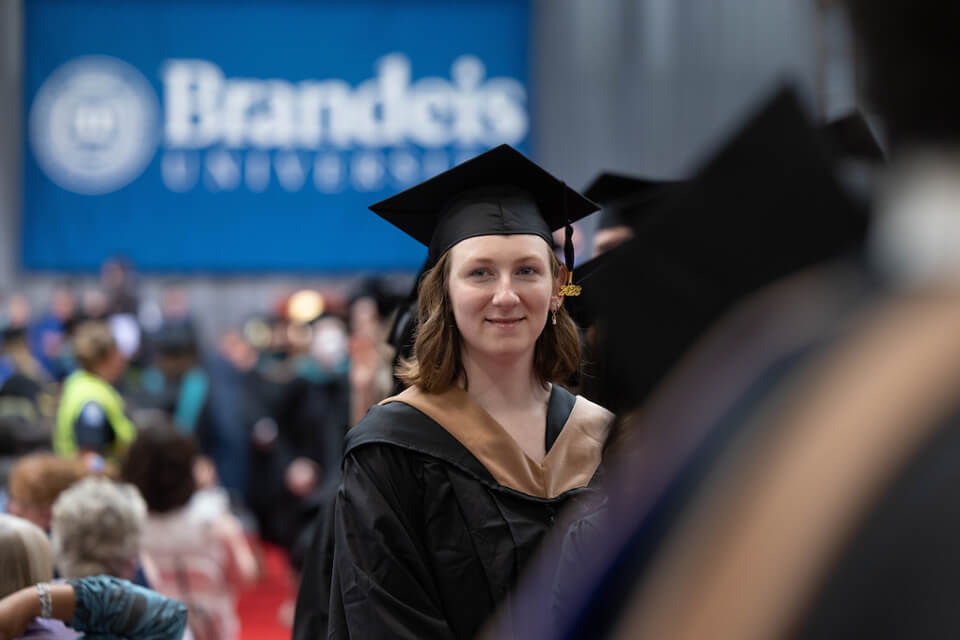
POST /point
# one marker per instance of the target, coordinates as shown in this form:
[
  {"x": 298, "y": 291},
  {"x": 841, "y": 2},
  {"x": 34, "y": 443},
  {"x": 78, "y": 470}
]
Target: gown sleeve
[
  {"x": 111, "y": 609},
  {"x": 313, "y": 598},
  {"x": 382, "y": 584}
]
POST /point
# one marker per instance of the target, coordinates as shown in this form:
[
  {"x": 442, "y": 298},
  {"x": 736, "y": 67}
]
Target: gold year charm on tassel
[{"x": 570, "y": 289}]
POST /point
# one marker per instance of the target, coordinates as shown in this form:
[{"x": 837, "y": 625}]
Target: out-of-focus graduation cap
[
  {"x": 766, "y": 205},
  {"x": 850, "y": 136},
  {"x": 499, "y": 192},
  {"x": 625, "y": 197}
]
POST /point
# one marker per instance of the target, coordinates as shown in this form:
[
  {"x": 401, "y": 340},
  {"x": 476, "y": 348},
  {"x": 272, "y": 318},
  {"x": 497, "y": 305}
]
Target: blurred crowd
[{"x": 196, "y": 448}]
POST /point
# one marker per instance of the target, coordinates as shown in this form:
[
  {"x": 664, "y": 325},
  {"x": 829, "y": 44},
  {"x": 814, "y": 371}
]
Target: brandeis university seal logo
[{"x": 94, "y": 125}]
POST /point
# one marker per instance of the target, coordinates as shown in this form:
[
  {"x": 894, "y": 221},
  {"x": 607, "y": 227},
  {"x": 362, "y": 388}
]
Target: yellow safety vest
[{"x": 79, "y": 389}]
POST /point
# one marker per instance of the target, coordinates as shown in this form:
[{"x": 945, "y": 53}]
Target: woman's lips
[{"x": 505, "y": 323}]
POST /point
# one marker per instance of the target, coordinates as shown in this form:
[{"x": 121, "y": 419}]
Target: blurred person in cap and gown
[
  {"x": 682, "y": 344},
  {"x": 626, "y": 201},
  {"x": 449, "y": 486},
  {"x": 846, "y": 516},
  {"x": 826, "y": 505},
  {"x": 91, "y": 418},
  {"x": 300, "y": 410}
]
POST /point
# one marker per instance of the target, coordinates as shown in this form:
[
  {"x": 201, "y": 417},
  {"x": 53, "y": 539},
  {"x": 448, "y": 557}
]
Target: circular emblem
[{"x": 94, "y": 125}]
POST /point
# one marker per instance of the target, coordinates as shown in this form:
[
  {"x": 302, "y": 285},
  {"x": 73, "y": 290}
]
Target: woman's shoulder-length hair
[
  {"x": 436, "y": 364},
  {"x": 25, "y": 554}
]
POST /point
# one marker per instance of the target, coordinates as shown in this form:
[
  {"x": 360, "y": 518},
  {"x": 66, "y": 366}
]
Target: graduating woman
[{"x": 449, "y": 486}]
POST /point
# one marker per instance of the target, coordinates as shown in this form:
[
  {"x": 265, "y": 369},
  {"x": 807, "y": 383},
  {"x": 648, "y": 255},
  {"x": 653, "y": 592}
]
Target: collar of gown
[{"x": 569, "y": 464}]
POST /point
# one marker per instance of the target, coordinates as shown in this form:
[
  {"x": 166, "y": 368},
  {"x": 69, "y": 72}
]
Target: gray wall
[
  {"x": 637, "y": 86},
  {"x": 648, "y": 86},
  {"x": 11, "y": 47}
]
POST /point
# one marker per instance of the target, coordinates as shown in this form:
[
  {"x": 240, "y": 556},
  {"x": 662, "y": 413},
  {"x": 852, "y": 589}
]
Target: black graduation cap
[
  {"x": 767, "y": 204},
  {"x": 499, "y": 192},
  {"x": 624, "y": 197},
  {"x": 850, "y": 136}
]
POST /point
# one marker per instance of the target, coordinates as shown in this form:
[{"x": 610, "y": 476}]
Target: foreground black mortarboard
[
  {"x": 624, "y": 198},
  {"x": 499, "y": 192},
  {"x": 766, "y": 205}
]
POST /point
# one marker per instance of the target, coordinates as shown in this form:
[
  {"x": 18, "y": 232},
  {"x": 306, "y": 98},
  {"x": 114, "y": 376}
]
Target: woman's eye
[
  {"x": 480, "y": 272},
  {"x": 526, "y": 271}
]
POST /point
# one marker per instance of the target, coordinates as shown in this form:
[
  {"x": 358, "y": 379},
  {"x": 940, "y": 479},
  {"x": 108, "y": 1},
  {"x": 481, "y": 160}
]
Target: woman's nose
[{"x": 505, "y": 294}]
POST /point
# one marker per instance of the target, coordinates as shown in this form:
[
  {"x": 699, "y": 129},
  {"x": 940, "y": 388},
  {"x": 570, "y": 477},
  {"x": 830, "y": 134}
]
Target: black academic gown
[{"x": 439, "y": 511}]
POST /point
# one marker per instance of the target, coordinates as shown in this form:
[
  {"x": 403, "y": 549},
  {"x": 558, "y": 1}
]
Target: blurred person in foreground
[
  {"x": 99, "y": 606},
  {"x": 449, "y": 486},
  {"x": 680, "y": 285},
  {"x": 195, "y": 549},
  {"x": 820, "y": 499},
  {"x": 91, "y": 419},
  {"x": 36, "y": 481}
]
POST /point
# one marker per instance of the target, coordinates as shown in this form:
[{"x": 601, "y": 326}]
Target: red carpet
[{"x": 260, "y": 606}]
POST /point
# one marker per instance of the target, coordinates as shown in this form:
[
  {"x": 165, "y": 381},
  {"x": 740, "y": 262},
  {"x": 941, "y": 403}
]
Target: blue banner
[{"x": 200, "y": 135}]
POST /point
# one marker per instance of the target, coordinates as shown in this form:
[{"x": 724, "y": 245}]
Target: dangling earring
[{"x": 555, "y": 314}]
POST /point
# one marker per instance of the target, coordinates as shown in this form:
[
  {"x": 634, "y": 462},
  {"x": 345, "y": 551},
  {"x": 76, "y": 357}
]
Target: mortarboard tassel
[{"x": 568, "y": 289}]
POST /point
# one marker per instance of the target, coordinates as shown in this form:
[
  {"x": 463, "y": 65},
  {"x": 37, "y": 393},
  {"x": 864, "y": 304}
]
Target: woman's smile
[{"x": 505, "y": 323}]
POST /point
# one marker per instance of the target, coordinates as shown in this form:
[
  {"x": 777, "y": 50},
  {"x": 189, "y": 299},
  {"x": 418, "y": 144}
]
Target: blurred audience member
[
  {"x": 93, "y": 304},
  {"x": 91, "y": 417},
  {"x": 48, "y": 335},
  {"x": 231, "y": 369},
  {"x": 196, "y": 549},
  {"x": 117, "y": 278},
  {"x": 27, "y": 400},
  {"x": 25, "y": 394},
  {"x": 175, "y": 306},
  {"x": 175, "y": 382},
  {"x": 96, "y": 529},
  {"x": 35, "y": 483},
  {"x": 15, "y": 350}
]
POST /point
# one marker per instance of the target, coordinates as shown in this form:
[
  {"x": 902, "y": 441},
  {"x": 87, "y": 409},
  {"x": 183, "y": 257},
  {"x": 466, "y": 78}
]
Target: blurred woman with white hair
[{"x": 96, "y": 529}]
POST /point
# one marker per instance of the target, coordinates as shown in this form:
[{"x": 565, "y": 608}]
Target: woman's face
[{"x": 501, "y": 290}]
